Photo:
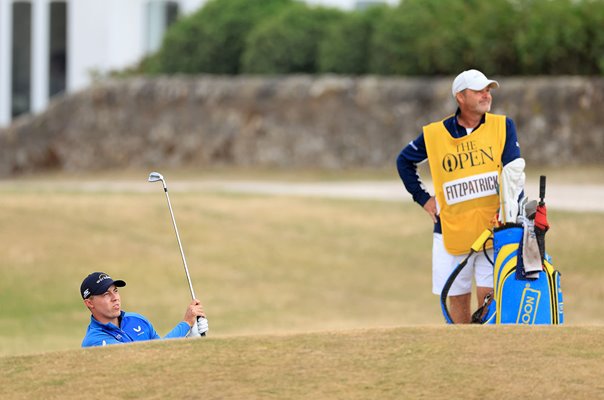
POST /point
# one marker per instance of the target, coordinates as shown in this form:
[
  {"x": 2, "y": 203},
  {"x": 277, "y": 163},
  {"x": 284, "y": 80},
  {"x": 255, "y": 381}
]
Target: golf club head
[{"x": 155, "y": 176}]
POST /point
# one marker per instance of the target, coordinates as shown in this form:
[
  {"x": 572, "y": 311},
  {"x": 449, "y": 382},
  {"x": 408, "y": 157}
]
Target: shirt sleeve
[
  {"x": 413, "y": 154},
  {"x": 511, "y": 150},
  {"x": 179, "y": 331}
]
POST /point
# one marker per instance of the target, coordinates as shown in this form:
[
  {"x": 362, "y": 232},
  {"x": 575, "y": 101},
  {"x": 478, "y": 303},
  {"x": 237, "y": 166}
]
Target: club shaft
[{"x": 182, "y": 253}]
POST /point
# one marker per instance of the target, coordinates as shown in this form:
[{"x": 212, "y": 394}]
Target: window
[
  {"x": 159, "y": 14},
  {"x": 21, "y": 58},
  {"x": 57, "y": 75}
]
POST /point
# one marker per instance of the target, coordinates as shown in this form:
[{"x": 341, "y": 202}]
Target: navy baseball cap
[{"x": 98, "y": 283}]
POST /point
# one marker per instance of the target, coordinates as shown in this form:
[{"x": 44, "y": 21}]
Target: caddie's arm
[
  {"x": 430, "y": 207},
  {"x": 406, "y": 163}
]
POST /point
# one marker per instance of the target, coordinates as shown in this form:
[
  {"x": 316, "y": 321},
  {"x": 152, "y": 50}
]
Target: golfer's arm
[{"x": 179, "y": 331}]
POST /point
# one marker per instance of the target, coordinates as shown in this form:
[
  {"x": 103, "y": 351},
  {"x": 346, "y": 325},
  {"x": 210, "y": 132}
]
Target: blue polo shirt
[
  {"x": 133, "y": 328},
  {"x": 415, "y": 153}
]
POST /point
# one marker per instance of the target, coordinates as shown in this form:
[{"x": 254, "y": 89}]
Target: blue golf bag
[{"x": 517, "y": 298}]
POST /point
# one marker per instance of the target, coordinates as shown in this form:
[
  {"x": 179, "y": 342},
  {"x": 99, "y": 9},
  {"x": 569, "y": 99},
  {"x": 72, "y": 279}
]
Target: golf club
[{"x": 155, "y": 177}]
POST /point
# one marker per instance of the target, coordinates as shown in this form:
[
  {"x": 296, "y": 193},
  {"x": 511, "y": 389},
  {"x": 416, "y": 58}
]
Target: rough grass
[
  {"x": 307, "y": 298},
  {"x": 466, "y": 362},
  {"x": 260, "y": 264}
]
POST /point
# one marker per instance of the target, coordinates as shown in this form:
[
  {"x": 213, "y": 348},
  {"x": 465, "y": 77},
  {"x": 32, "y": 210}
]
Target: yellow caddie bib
[{"x": 465, "y": 172}]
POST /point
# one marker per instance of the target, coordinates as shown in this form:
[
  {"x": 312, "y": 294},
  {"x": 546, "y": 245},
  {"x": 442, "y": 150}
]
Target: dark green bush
[
  {"x": 388, "y": 58},
  {"x": 592, "y": 14},
  {"x": 488, "y": 28},
  {"x": 551, "y": 38},
  {"x": 288, "y": 42},
  {"x": 428, "y": 37},
  {"x": 212, "y": 40},
  {"x": 345, "y": 47},
  {"x": 420, "y": 37}
]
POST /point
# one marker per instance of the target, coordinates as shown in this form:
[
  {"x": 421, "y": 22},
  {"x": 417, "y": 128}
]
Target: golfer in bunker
[{"x": 110, "y": 325}]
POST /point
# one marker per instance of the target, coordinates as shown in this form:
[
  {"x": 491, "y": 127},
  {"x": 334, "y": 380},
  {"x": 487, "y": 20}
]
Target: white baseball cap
[{"x": 472, "y": 79}]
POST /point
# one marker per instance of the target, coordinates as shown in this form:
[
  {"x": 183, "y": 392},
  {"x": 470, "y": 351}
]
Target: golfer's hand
[
  {"x": 194, "y": 310},
  {"x": 199, "y": 329},
  {"x": 202, "y": 326},
  {"x": 430, "y": 208}
]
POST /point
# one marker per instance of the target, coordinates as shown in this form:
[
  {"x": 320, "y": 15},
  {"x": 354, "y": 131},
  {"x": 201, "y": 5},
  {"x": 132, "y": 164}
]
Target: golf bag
[{"x": 518, "y": 297}]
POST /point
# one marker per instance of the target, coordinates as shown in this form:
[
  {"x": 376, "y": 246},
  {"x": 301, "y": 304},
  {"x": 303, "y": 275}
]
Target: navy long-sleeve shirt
[{"x": 415, "y": 153}]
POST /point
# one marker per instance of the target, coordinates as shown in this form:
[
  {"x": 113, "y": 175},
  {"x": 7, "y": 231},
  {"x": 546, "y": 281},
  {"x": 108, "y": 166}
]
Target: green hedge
[
  {"x": 417, "y": 37},
  {"x": 552, "y": 38},
  {"x": 431, "y": 37},
  {"x": 346, "y": 45},
  {"x": 213, "y": 39},
  {"x": 289, "y": 41}
]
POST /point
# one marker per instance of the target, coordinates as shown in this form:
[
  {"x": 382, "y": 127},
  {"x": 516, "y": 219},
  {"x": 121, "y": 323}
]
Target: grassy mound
[{"x": 469, "y": 362}]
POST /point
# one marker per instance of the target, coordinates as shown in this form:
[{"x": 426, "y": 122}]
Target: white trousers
[{"x": 443, "y": 263}]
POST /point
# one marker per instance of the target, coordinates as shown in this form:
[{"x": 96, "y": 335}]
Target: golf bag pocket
[{"x": 523, "y": 301}]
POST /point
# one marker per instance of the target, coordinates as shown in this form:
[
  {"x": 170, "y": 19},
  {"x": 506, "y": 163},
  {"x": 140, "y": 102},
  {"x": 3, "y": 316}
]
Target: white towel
[{"x": 531, "y": 256}]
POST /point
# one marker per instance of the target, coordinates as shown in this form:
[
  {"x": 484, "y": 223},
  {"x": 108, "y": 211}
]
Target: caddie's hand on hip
[
  {"x": 194, "y": 310},
  {"x": 430, "y": 207}
]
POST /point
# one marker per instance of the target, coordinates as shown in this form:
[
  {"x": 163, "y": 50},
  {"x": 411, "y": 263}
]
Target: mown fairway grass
[{"x": 287, "y": 283}]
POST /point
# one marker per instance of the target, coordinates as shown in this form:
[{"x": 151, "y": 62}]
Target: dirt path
[{"x": 584, "y": 197}]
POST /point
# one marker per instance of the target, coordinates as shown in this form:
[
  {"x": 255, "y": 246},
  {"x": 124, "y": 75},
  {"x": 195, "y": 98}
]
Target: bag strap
[{"x": 476, "y": 246}]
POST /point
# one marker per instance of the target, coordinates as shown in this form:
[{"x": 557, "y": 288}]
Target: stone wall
[{"x": 296, "y": 121}]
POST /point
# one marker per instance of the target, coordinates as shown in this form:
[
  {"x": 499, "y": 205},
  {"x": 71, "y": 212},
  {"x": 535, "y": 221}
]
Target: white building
[{"x": 53, "y": 46}]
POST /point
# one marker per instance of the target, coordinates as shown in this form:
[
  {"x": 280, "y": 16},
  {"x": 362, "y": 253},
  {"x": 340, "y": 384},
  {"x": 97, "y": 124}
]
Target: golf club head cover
[
  {"x": 541, "y": 218},
  {"x": 510, "y": 187}
]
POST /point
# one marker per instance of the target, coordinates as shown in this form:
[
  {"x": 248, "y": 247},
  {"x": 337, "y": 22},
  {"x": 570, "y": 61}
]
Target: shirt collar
[
  {"x": 108, "y": 325},
  {"x": 462, "y": 130}
]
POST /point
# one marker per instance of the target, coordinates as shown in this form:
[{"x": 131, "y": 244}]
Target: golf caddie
[
  {"x": 110, "y": 325},
  {"x": 467, "y": 152}
]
